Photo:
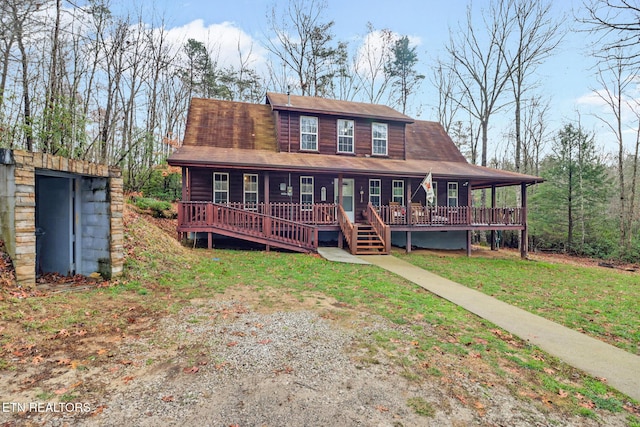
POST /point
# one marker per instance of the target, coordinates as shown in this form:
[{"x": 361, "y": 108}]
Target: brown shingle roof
[
  {"x": 333, "y": 164},
  {"x": 241, "y": 135},
  {"x": 313, "y": 104},
  {"x": 229, "y": 124},
  {"x": 428, "y": 140}
]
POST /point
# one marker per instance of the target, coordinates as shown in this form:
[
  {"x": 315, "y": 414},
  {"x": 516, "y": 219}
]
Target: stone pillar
[
  {"x": 116, "y": 197},
  {"x": 24, "y": 260}
]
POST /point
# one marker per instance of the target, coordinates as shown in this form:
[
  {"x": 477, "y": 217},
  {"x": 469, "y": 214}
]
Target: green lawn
[
  {"x": 432, "y": 340},
  {"x": 601, "y": 302}
]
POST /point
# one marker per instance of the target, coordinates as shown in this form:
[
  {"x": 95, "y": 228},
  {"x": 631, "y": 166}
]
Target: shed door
[{"x": 55, "y": 225}]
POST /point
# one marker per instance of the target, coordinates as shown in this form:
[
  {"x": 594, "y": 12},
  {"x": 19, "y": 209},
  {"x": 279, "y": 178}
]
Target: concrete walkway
[{"x": 620, "y": 368}]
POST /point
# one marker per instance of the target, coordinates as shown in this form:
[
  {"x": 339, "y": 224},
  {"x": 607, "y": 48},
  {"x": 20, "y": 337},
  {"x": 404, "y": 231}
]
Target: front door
[{"x": 347, "y": 197}]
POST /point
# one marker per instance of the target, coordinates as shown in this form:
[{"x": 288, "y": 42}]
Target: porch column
[
  {"x": 340, "y": 236},
  {"x": 469, "y": 216},
  {"x": 493, "y": 212},
  {"x": 524, "y": 234},
  {"x": 408, "y": 216},
  {"x": 185, "y": 185},
  {"x": 267, "y": 209}
]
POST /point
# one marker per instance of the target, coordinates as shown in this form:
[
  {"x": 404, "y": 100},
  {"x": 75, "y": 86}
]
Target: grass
[
  {"x": 600, "y": 302},
  {"x": 429, "y": 333}
]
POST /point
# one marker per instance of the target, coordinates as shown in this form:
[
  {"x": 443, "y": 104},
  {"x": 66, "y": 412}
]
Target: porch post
[
  {"x": 469, "y": 207},
  {"x": 493, "y": 212},
  {"x": 340, "y": 236},
  {"x": 267, "y": 211},
  {"x": 185, "y": 185},
  {"x": 408, "y": 216},
  {"x": 408, "y": 242},
  {"x": 524, "y": 235}
]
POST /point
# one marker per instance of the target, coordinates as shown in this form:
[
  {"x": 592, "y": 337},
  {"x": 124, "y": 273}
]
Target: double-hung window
[
  {"x": 397, "y": 194},
  {"x": 250, "y": 186},
  {"x": 345, "y": 136},
  {"x": 306, "y": 192},
  {"x": 452, "y": 194},
  {"x": 375, "y": 192},
  {"x": 379, "y": 132},
  {"x": 434, "y": 203},
  {"x": 220, "y": 187},
  {"x": 308, "y": 133}
]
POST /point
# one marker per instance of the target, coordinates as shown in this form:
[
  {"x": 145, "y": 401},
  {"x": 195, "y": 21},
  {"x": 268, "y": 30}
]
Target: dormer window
[
  {"x": 345, "y": 136},
  {"x": 308, "y": 133},
  {"x": 379, "y": 142}
]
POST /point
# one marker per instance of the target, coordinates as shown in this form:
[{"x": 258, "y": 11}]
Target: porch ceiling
[{"x": 233, "y": 158}]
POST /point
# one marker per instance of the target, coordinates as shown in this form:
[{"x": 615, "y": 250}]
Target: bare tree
[
  {"x": 480, "y": 67},
  {"x": 536, "y": 35},
  {"x": 443, "y": 78},
  {"x": 616, "y": 78},
  {"x": 303, "y": 42},
  {"x": 369, "y": 63},
  {"x": 617, "y": 24}
]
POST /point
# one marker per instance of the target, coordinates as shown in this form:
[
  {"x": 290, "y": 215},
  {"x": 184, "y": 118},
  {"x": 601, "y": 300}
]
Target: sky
[{"x": 567, "y": 78}]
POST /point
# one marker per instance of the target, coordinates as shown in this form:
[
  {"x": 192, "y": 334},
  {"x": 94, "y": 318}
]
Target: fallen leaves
[{"x": 191, "y": 370}]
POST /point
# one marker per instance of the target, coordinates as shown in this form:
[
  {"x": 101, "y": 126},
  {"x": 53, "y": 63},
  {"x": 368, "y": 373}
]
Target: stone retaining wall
[{"x": 18, "y": 206}]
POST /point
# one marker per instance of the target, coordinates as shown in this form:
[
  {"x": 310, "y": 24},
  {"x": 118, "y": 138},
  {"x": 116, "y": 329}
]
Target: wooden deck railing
[
  {"x": 192, "y": 213},
  {"x": 206, "y": 216},
  {"x": 444, "y": 215},
  {"x": 381, "y": 229},
  {"x": 349, "y": 229}
]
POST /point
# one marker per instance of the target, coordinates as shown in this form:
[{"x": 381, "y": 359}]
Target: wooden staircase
[{"x": 367, "y": 241}]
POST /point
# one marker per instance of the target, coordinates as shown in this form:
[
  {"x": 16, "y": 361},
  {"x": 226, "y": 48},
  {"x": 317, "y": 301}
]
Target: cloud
[{"x": 225, "y": 41}]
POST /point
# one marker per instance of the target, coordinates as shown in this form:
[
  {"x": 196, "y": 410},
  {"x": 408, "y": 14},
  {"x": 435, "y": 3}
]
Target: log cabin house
[{"x": 298, "y": 172}]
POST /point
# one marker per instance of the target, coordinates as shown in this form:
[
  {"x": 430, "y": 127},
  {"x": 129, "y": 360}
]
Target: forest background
[{"x": 109, "y": 84}]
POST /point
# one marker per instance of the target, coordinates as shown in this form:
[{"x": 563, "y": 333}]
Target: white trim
[
  {"x": 352, "y": 136},
  {"x": 224, "y": 191},
  {"x": 305, "y": 206},
  {"x": 374, "y": 139},
  {"x": 379, "y": 195},
  {"x": 245, "y": 192},
  {"x": 393, "y": 187},
  {"x": 450, "y": 186},
  {"x": 303, "y": 133}
]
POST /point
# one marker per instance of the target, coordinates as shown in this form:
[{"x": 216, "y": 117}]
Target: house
[{"x": 298, "y": 172}]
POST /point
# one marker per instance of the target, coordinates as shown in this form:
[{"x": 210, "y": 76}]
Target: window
[
  {"x": 452, "y": 194},
  {"x": 379, "y": 144},
  {"x": 308, "y": 133},
  {"x": 435, "y": 196},
  {"x": 345, "y": 136},
  {"x": 306, "y": 192},
  {"x": 220, "y": 188},
  {"x": 250, "y": 184},
  {"x": 397, "y": 194},
  {"x": 375, "y": 192}
]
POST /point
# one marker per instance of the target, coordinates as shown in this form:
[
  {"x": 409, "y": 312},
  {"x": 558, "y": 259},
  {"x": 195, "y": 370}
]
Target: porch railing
[
  {"x": 206, "y": 216},
  {"x": 349, "y": 229},
  {"x": 394, "y": 215},
  {"x": 318, "y": 213},
  {"x": 444, "y": 215}
]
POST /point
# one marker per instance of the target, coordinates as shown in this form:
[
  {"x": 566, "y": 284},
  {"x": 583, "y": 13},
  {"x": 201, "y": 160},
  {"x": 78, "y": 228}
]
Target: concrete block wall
[
  {"x": 18, "y": 168},
  {"x": 95, "y": 225}
]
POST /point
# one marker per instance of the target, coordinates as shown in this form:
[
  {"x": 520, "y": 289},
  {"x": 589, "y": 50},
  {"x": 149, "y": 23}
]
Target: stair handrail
[
  {"x": 382, "y": 230},
  {"x": 308, "y": 233},
  {"x": 349, "y": 229}
]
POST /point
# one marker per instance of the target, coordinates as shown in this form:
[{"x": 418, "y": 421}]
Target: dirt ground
[{"x": 244, "y": 358}]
